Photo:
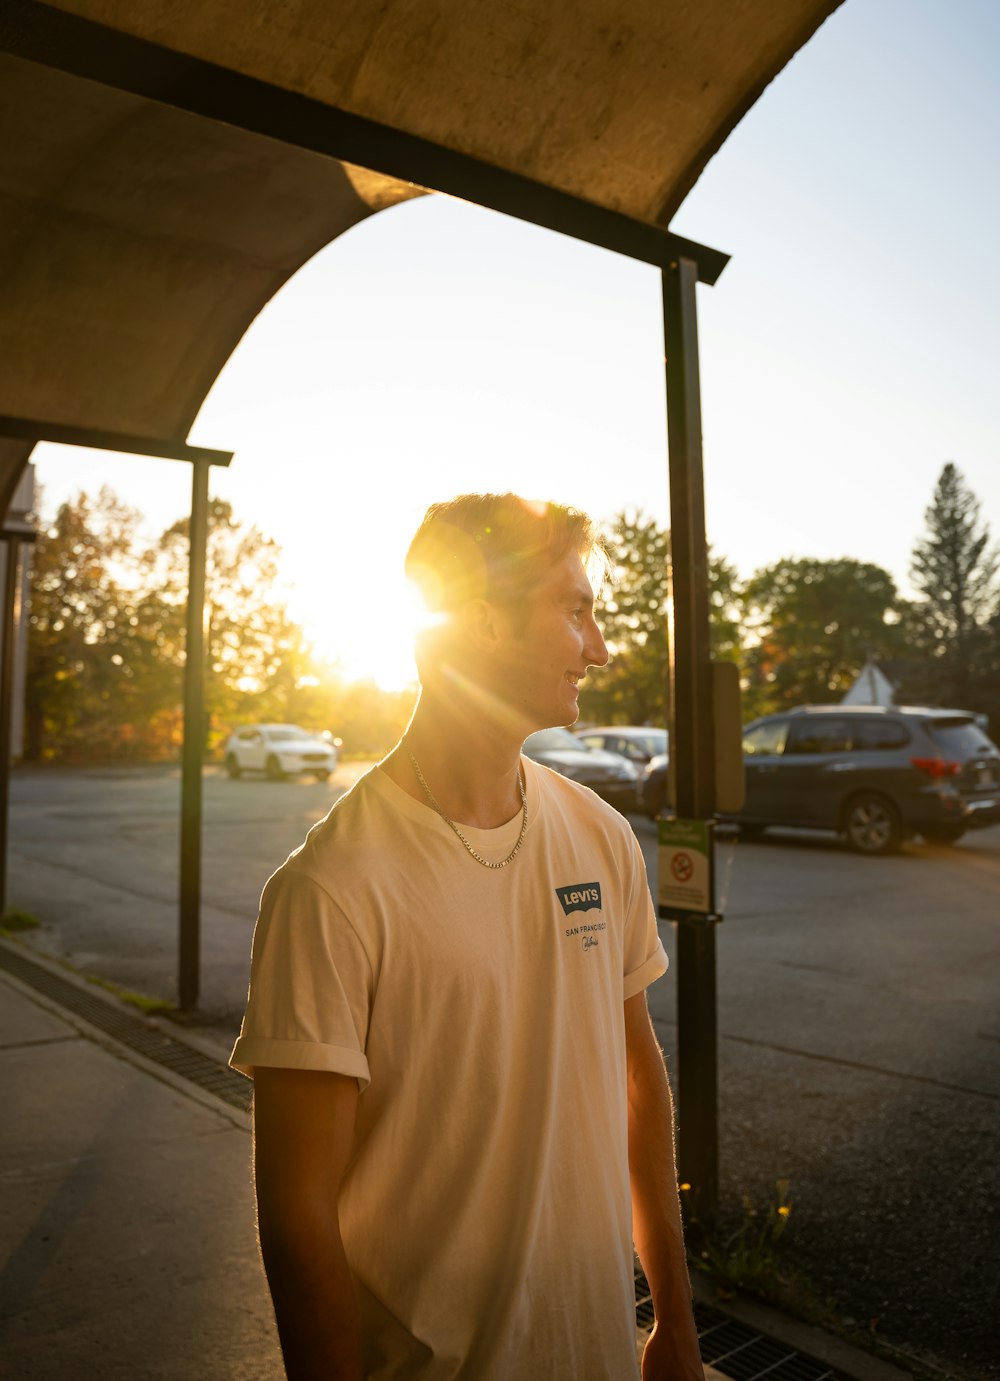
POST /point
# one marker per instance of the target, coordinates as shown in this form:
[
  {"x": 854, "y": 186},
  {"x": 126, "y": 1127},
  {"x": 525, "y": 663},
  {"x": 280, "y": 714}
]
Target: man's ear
[{"x": 485, "y": 624}]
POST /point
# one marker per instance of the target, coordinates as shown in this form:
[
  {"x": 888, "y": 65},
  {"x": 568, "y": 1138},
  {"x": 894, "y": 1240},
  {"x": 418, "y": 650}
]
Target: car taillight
[{"x": 936, "y": 767}]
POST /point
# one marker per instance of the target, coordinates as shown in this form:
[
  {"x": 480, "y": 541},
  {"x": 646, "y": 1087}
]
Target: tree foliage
[
  {"x": 81, "y": 688},
  {"x": 812, "y": 626},
  {"x": 106, "y": 642},
  {"x": 953, "y": 625},
  {"x": 107, "y": 631},
  {"x": 633, "y": 614}
]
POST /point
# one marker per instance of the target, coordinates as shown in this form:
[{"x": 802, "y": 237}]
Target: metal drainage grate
[
  {"x": 140, "y": 1036},
  {"x": 737, "y": 1350}
]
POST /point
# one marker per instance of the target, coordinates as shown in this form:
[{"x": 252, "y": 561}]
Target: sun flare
[{"x": 371, "y": 630}]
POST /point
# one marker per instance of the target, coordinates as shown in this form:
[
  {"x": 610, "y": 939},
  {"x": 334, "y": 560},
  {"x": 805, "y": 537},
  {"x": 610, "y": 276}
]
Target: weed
[
  {"x": 14, "y": 920},
  {"x": 746, "y": 1258},
  {"x": 149, "y": 1006}
]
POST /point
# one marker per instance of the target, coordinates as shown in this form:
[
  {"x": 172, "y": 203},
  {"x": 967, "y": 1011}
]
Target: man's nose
[{"x": 597, "y": 649}]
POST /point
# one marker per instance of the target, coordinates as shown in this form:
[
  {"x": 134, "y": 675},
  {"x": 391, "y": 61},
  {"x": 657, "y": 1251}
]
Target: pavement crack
[
  {"x": 48, "y": 861},
  {"x": 861, "y": 1065},
  {"x": 41, "y": 1040}
]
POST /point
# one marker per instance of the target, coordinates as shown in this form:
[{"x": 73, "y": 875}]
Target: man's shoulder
[
  {"x": 587, "y": 809},
  {"x": 356, "y": 820}
]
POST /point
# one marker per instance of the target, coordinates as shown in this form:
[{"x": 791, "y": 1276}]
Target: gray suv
[{"x": 875, "y": 775}]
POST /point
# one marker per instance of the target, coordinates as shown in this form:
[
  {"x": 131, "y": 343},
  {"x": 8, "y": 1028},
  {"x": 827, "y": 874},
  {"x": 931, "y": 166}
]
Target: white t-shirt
[{"x": 486, "y": 1210}]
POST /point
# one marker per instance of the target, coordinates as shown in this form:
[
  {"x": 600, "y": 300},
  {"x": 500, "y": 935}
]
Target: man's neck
[{"x": 469, "y": 762}]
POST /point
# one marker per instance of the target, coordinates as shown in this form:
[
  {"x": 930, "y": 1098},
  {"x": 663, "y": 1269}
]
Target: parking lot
[{"x": 859, "y": 1016}]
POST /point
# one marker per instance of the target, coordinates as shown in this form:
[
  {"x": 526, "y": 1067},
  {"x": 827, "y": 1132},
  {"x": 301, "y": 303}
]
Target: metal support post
[
  {"x": 189, "y": 957},
  {"x": 691, "y": 736},
  {"x": 7, "y": 655}
]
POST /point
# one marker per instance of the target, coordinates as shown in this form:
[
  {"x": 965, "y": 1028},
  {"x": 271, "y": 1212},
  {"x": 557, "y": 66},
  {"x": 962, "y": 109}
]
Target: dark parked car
[
  {"x": 876, "y": 775},
  {"x": 653, "y": 785},
  {"x": 638, "y": 744},
  {"x": 644, "y": 746},
  {"x": 609, "y": 774}
]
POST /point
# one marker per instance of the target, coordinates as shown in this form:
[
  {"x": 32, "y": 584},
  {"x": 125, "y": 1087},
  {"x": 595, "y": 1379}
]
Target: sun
[{"x": 369, "y": 631}]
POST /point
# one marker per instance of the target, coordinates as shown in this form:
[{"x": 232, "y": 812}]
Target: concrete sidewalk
[{"x": 126, "y": 1223}]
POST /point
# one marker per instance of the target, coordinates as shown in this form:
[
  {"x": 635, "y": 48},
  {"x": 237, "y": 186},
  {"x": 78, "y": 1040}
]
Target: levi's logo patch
[{"x": 580, "y": 896}]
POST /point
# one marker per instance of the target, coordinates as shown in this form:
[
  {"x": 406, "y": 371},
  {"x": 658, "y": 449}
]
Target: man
[{"x": 457, "y": 1081}]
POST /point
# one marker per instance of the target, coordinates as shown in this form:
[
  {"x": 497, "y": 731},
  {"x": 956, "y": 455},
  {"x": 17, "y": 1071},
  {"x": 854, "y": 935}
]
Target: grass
[
  {"x": 148, "y": 1006},
  {"x": 13, "y": 921},
  {"x": 747, "y": 1258}
]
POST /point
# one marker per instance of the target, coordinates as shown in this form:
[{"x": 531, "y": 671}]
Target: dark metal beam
[
  {"x": 54, "y": 38},
  {"x": 7, "y": 656},
  {"x": 189, "y": 933},
  {"x": 30, "y": 429},
  {"x": 692, "y": 755}
]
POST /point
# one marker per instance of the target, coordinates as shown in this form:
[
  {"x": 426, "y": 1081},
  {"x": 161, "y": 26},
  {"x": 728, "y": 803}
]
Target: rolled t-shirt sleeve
[
  {"x": 644, "y": 959},
  {"x": 311, "y": 984}
]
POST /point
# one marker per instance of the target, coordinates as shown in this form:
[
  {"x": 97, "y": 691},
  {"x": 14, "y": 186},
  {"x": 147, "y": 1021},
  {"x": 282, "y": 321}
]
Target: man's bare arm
[
  {"x": 303, "y": 1134},
  {"x": 672, "y": 1352}
]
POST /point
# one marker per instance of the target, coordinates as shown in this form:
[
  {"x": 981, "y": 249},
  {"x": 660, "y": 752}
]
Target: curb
[{"x": 849, "y": 1362}]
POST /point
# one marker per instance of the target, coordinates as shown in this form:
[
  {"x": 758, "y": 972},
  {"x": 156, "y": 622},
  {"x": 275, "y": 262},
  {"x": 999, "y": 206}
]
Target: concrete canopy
[{"x": 164, "y": 168}]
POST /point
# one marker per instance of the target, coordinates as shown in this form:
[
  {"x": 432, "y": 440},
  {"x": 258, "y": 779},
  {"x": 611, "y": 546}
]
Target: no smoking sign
[
  {"x": 685, "y": 867},
  {"x": 682, "y": 866}
]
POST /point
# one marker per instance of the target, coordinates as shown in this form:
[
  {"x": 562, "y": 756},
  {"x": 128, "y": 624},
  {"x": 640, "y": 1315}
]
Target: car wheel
[
  {"x": 273, "y": 768},
  {"x": 943, "y": 834},
  {"x": 872, "y": 824},
  {"x": 232, "y": 767}
]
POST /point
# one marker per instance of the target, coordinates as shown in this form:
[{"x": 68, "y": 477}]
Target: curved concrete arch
[{"x": 140, "y": 243}]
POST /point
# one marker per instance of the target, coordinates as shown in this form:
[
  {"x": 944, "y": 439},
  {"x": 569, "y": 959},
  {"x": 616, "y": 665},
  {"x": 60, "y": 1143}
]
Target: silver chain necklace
[{"x": 477, "y": 856}]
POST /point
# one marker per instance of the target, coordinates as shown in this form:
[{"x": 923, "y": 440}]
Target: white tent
[{"x": 872, "y": 687}]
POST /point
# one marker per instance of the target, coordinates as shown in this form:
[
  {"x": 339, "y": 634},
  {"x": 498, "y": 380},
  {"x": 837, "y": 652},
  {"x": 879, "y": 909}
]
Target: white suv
[{"x": 280, "y": 750}]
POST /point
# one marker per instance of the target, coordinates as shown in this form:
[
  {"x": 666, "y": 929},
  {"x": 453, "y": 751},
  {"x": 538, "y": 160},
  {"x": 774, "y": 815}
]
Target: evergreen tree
[{"x": 954, "y": 568}]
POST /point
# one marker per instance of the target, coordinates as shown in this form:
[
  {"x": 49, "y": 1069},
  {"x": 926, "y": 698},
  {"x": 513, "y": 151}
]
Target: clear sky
[{"x": 849, "y": 349}]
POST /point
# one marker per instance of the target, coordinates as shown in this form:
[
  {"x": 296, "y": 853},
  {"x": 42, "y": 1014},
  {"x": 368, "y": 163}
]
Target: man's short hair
[{"x": 493, "y": 546}]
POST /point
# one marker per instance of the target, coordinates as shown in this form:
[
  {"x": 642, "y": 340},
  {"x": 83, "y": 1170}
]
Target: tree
[
  {"x": 633, "y": 616},
  {"x": 81, "y": 624},
  {"x": 812, "y": 626},
  {"x": 106, "y": 642},
  {"x": 954, "y": 568},
  {"x": 256, "y": 654}
]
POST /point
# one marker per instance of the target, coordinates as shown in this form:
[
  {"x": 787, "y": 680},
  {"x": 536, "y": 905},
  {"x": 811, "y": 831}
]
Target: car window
[
  {"x": 655, "y": 742},
  {"x": 819, "y": 734},
  {"x": 248, "y": 735},
  {"x": 591, "y": 740},
  {"x": 551, "y": 741},
  {"x": 286, "y": 733},
  {"x": 765, "y": 738},
  {"x": 880, "y": 733},
  {"x": 960, "y": 738}
]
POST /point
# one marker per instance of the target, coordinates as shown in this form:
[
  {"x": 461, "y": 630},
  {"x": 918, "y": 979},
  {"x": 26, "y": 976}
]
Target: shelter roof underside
[
  {"x": 140, "y": 236},
  {"x": 617, "y": 102}
]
